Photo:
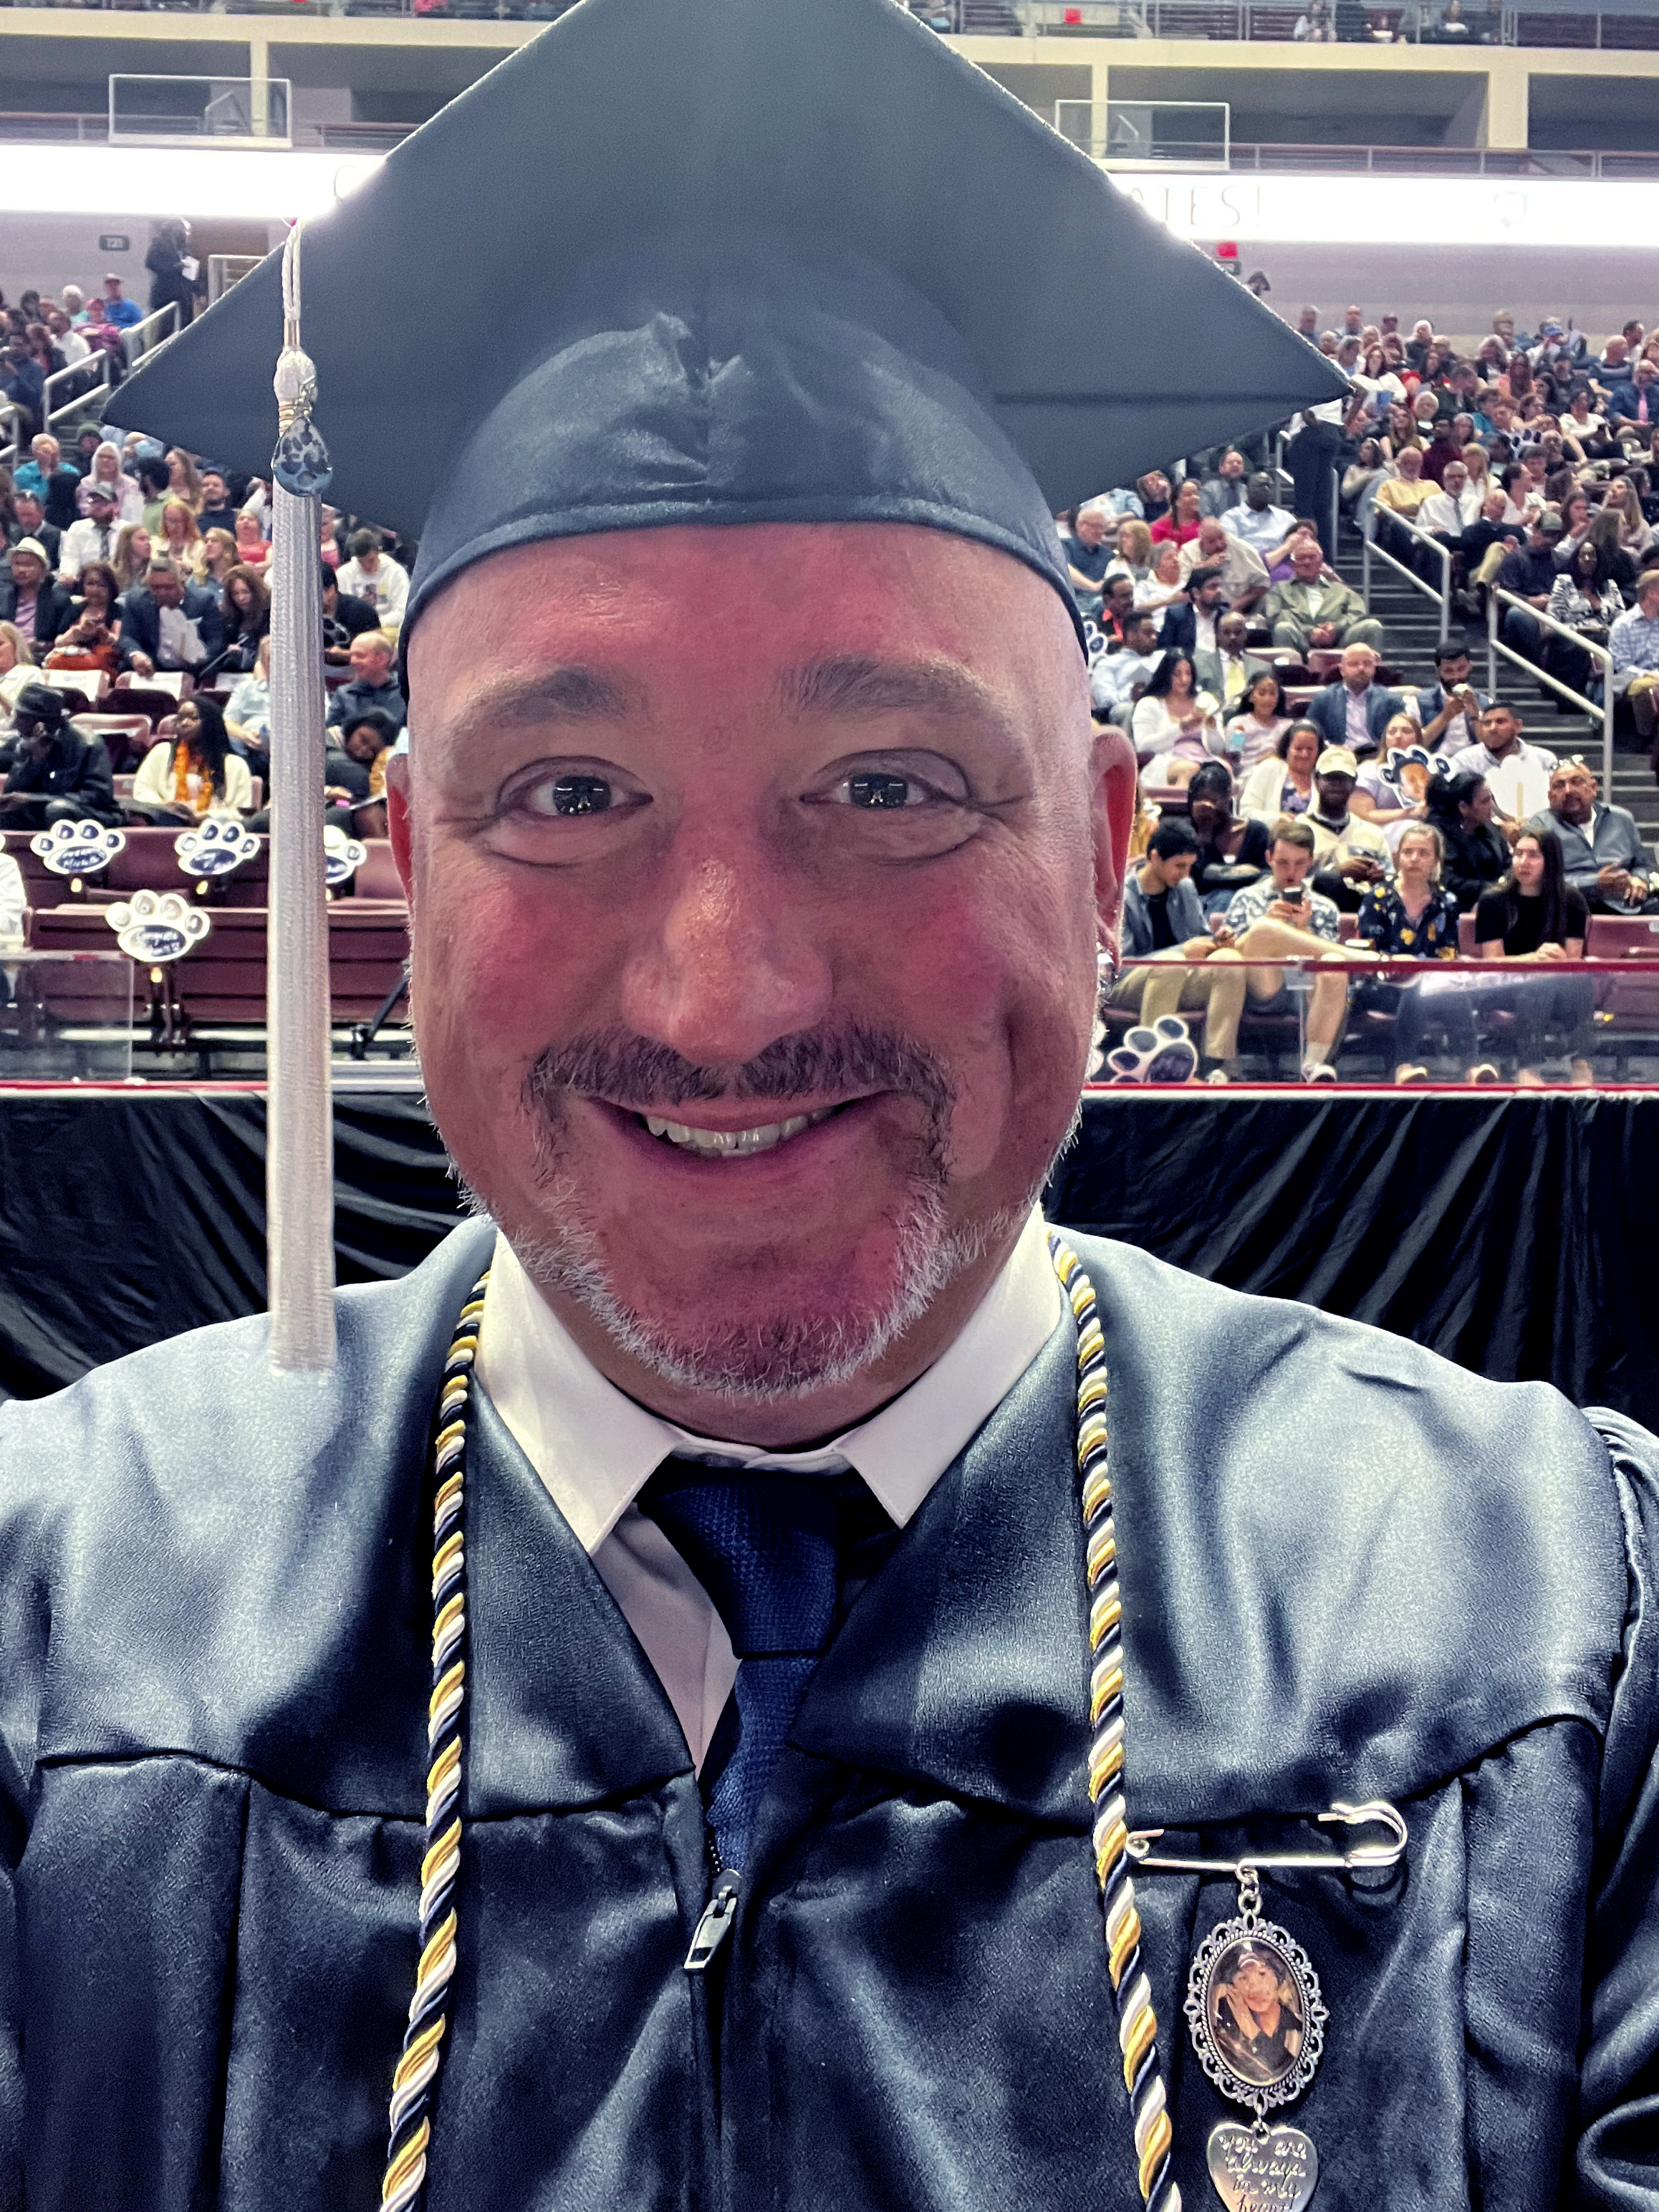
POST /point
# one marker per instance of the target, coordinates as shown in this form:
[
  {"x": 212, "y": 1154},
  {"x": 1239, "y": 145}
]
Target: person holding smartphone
[{"x": 1281, "y": 918}]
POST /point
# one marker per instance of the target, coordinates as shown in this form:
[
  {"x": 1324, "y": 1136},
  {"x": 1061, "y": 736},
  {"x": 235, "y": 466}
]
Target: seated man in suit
[
  {"x": 1354, "y": 712},
  {"x": 1602, "y": 852},
  {"x": 1228, "y": 672},
  {"x": 1633, "y": 407},
  {"x": 1191, "y": 628},
  {"x": 170, "y": 623},
  {"x": 1316, "y": 609},
  {"x": 31, "y": 522}
]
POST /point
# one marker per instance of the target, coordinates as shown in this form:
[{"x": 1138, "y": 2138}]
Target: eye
[
  {"x": 878, "y": 787},
  {"x": 580, "y": 794}
]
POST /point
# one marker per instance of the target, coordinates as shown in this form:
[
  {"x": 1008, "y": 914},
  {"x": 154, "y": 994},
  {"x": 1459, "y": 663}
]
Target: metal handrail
[
  {"x": 94, "y": 374},
  {"x": 1442, "y": 598},
  {"x": 144, "y": 337},
  {"x": 11, "y": 452},
  {"x": 1495, "y": 645}
]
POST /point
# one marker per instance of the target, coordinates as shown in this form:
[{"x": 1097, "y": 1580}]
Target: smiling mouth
[{"x": 733, "y": 1143}]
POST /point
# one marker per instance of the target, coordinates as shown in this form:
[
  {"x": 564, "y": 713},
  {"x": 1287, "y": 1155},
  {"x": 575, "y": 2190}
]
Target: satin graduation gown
[{"x": 1348, "y": 1570}]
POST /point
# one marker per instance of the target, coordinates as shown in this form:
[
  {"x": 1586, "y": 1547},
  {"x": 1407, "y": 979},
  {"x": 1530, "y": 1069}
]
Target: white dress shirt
[
  {"x": 595, "y": 1448},
  {"x": 86, "y": 540}
]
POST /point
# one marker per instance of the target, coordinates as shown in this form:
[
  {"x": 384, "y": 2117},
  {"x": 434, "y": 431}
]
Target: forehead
[{"x": 713, "y": 618}]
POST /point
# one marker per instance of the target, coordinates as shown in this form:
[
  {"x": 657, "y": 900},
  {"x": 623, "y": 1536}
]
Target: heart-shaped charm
[{"x": 1277, "y": 2171}]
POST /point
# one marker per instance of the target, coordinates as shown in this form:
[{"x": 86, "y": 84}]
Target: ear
[
  {"x": 1113, "y": 783},
  {"x": 400, "y": 824}
]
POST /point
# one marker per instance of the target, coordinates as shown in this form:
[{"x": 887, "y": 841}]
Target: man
[
  {"x": 373, "y": 575},
  {"x": 1518, "y": 773},
  {"x": 1306, "y": 323},
  {"x": 1087, "y": 556},
  {"x": 1633, "y": 641},
  {"x": 1612, "y": 364},
  {"x": 93, "y": 538},
  {"x": 761, "y": 869},
  {"x": 1225, "y": 488},
  {"x": 58, "y": 775},
  {"x": 1117, "y": 607},
  {"x": 1528, "y": 572},
  {"x": 1228, "y": 672},
  {"x": 344, "y": 618},
  {"x": 217, "y": 510},
  {"x": 68, "y": 340},
  {"x": 1317, "y": 611},
  {"x": 169, "y": 624},
  {"x": 1244, "y": 573},
  {"x": 1312, "y": 454},
  {"x": 118, "y": 308},
  {"x": 1262, "y": 526},
  {"x": 1355, "y": 710},
  {"x": 374, "y": 683},
  {"x": 1192, "y": 628},
  {"x": 1448, "y": 513},
  {"x": 1449, "y": 709},
  {"x": 1281, "y": 918},
  {"x": 32, "y": 600},
  {"x": 1601, "y": 848},
  {"x": 1350, "y": 853},
  {"x": 1445, "y": 446},
  {"x": 1491, "y": 536},
  {"x": 31, "y": 522},
  {"x": 1633, "y": 407},
  {"x": 1116, "y": 680},
  {"x": 1180, "y": 964},
  {"x": 1353, "y": 323},
  {"x": 22, "y": 381}
]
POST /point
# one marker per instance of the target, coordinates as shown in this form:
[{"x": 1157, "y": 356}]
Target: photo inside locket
[{"x": 1255, "y": 2011}]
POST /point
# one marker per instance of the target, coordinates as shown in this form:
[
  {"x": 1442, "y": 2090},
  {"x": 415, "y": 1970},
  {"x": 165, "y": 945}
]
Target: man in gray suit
[
  {"x": 1601, "y": 848},
  {"x": 1317, "y": 610},
  {"x": 1355, "y": 712},
  {"x": 1228, "y": 672}
]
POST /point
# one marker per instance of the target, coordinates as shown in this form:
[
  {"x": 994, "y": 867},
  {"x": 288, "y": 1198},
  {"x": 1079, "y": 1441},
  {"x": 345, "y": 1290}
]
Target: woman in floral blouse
[{"x": 1412, "y": 916}]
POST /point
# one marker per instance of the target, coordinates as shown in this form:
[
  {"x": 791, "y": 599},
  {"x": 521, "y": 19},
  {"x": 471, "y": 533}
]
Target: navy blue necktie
[{"x": 767, "y": 1547}]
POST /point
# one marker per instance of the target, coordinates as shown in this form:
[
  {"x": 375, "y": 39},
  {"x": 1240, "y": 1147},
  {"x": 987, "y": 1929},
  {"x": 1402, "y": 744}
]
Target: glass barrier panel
[
  {"x": 1349, "y": 1016},
  {"x": 65, "y": 1017}
]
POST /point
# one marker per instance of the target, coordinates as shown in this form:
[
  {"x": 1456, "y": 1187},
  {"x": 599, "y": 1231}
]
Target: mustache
[{"x": 617, "y": 1065}]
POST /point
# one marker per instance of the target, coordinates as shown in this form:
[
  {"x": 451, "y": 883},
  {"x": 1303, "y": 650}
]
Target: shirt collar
[{"x": 595, "y": 1448}]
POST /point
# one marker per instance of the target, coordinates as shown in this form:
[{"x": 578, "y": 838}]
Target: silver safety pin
[{"x": 1377, "y": 1812}]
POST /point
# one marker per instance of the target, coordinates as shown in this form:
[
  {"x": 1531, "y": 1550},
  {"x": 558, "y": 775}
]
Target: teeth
[{"x": 733, "y": 1143}]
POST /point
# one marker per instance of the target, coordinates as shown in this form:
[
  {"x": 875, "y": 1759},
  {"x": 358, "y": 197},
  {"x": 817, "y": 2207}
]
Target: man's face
[
  {"x": 1122, "y": 596},
  {"x": 57, "y": 323},
  {"x": 1353, "y": 320},
  {"x": 1308, "y": 321},
  {"x": 1258, "y": 493},
  {"x": 1358, "y": 667},
  {"x": 1174, "y": 869},
  {"x": 1500, "y": 729},
  {"x": 1139, "y": 635},
  {"x": 102, "y": 507},
  {"x": 1091, "y": 527},
  {"x": 1232, "y": 463},
  {"x": 27, "y": 571},
  {"x": 1493, "y": 505},
  {"x": 1306, "y": 560},
  {"x": 1231, "y": 633},
  {"x": 1211, "y": 540},
  {"x": 213, "y": 488},
  {"x": 1410, "y": 463},
  {"x": 30, "y": 512},
  {"x": 1572, "y": 793},
  {"x": 1208, "y": 594},
  {"x": 1290, "y": 864},
  {"x": 1455, "y": 478},
  {"x": 754, "y": 825},
  {"x": 370, "y": 661},
  {"x": 111, "y": 288},
  {"x": 165, "y": 588},
  {"x": 1453, "y": 673},
  {"x": 1645, "y": 374},
  {"x": 44, "y": 449},
  {"x": 1334, "y": 792}
]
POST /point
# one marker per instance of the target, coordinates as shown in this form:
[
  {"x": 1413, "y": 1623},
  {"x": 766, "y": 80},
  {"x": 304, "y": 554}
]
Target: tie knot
[{"x": 763, "y": 1543}]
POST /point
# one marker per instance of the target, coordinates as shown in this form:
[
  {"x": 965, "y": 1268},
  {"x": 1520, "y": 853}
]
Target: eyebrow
[
  {"x": 571, "y": 693},
  {"x": 860, "y": 684}
]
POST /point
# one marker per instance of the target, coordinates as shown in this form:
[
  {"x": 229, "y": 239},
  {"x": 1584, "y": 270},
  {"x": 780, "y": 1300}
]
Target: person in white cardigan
[
  {"x": 197, "y": 774},
  {"x": 1174, "y": 720},
  {"x": 1283, "y": 783}
]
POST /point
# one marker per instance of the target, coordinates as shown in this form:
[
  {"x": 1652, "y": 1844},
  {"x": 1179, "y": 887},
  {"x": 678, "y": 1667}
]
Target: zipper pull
[{"x": 714, "y": 1926}]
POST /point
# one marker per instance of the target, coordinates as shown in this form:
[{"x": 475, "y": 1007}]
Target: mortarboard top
[{"x": 734, "y": 260}]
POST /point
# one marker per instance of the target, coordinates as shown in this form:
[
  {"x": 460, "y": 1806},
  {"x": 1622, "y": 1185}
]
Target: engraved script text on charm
[{"x": 1277, "y": 2171}]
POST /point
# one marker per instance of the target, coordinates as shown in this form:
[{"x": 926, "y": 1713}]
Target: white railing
[
  {"x": 66, "y": 390},
  {"x": 1373, "y": 551},
  {"x": 10, "y": 445},
  {"x": 143, "y": 337},
  {"x": 1598, "y": 653}
]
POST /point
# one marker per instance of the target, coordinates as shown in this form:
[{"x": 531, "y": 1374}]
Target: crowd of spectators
[{"x": 1328, "y": 802}]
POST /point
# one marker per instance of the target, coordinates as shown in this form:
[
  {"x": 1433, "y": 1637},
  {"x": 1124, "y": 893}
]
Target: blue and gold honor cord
[
  {"x": 1137, "y": 2023},
  {"x": 416, "y": 2073},
  {"x": 417, "y": 2068}
]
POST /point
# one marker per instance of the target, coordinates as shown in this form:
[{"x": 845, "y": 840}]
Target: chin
[{"x": 739, "y": 1331}]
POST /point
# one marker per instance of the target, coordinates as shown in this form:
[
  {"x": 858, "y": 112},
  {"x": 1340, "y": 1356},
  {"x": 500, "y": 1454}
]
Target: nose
[{"x": 730, "y": 962}]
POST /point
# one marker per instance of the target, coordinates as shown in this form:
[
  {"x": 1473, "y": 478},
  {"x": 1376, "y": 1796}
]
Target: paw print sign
[
  {"x": 154, "y": 927},
  {"x": 1160, "y": 1053},
  {"x": 342, "y": 856},
  {"x": 78, "y": 849},
  {"x": 214, "y": 847}
]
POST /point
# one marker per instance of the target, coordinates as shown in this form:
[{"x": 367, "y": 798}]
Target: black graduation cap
[{"x": 734, "y": 260}]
